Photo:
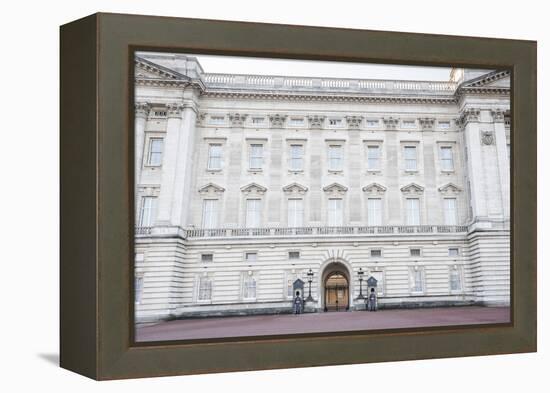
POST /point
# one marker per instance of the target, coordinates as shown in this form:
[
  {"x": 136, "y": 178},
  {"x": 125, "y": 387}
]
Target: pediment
[
  {"x": 295, "y": 187},
  {"x": 335, "y": 187},
  {"x": 149, "y": 70},
  {"x": 374, "y": 188},
  {"x": 253, "y": 188},
  {"x": 211, "y": 188},
  {"x": 450, "y": 187},
  {"x": 412, "y": 188},
  {"x": 494, "y": 79}
]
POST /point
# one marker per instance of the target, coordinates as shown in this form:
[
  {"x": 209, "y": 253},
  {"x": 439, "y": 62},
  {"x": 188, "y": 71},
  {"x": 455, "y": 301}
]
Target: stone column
[
  {"x": 142, "y": 110},
  {"x": 469, "y": 119},
  {"x": 502, "y": 160},
  {"x": 169, "y": 163}
]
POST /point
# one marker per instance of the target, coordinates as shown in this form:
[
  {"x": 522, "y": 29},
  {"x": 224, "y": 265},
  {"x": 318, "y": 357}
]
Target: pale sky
[{"x": 308, "y": 68}]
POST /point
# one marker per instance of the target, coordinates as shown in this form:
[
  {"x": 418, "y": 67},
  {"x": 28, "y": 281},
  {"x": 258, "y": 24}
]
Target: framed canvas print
[{"x": 240, "y": 196}]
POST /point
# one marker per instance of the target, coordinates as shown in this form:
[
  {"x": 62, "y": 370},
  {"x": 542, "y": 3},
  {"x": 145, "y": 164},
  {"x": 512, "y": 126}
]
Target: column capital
[
  {"x": 498, "y": 115},
  {"x": 237, "y": 119},
  {"x": 142, "y": 109},
  {"x": 174, "y": 110},
  {"x": 468, "y": 115}
]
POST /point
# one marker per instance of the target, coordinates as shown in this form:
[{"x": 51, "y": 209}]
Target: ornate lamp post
[
  {"x": 309, "y": 280},
  {"x": 360, "y": 274}
]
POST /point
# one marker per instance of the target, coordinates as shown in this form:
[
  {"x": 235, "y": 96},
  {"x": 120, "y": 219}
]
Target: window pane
[
  {"x": 155, "y": 151},
  {"x": 413, "y": 211},
  {"x": 210, "y": 213},
  {"x": 446, "y": 158},
  {"x": 456, "y": 284},
  {"x": 410, "y": 158},
  {"x": 256, "y": 156},
  {"x": 205, "y": 288},
  {"x": 138, "y": 288},
  {"x": 335, "y": 212},
  {"x": 335, "y": 156},
  {"x": 373, "y": 157},
  {"x": 148, "y": 211},
  {"x": 215, "y": 157},
  {"x": 295, "y": 213},
  {"x": 450, "y": 211},
  {"x": 251, "y": 257},
  {"x": 374, "y": 211},
  {"x": 296, "y": 157},
  {"x": 253, "y": 213},
  {"x": 453, "y": 252}
]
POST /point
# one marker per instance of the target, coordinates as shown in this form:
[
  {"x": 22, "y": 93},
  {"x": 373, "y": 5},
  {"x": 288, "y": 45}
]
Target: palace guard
[
  {"x": 298, "y": 304},
  {"x": 372, "y": 304}
]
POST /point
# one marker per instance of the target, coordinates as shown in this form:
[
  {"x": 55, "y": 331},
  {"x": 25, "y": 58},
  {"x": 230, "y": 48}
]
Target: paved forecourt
[{"x": 262, "y": 325}]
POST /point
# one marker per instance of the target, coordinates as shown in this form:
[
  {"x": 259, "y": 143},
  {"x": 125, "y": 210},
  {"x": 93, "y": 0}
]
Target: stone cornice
[{"x": 142, "y": 109}]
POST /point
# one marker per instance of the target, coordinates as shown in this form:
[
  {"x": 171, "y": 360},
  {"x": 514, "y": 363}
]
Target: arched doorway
[{"x": 336, "y": 294}]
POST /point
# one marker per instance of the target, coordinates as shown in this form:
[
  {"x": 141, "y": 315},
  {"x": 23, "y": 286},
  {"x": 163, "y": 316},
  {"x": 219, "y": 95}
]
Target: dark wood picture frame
[{"x": 97, "y": 201}]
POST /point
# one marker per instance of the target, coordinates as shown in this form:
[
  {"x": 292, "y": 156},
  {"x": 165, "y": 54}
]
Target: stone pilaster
[
  {"x": 141, "y": 113},
  {"x": 502, "y": 159}
]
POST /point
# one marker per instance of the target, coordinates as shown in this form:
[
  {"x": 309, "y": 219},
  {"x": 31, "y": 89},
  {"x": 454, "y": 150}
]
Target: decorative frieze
[
  {"x": 469, "y": 115},
  {"x": 277, "y": 120},
  {"x": 335, "y": 189},
  {"x": 316, "y": 121},
  {"x": 354, "y": 122},
  {"x": 237, "y": 119},
  {"x": 498, "y": 115},
  {"x": 142, "y": 109},
  {"x": 487, "y": 137},
  {"x": 427, "y": 123},
  {"x": 174, "y": 109},
  {"x": 390, "y": 122},
  {"x": 201, "y": 117}
]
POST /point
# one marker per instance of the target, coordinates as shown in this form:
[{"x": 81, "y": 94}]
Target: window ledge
[
  {"x": 411, "y": 172},
  {"x": 255, "y": 170},
  {"x": 335, "y": 171},
  {"x": 204, "y": 301},
  {"x": 295, "y": 171},
  {"x": 448, "y": 172},
  {"x": 149, "y": 166},
  {"x": 209, "y": 170},
  {"x": 374, "y": 171}
]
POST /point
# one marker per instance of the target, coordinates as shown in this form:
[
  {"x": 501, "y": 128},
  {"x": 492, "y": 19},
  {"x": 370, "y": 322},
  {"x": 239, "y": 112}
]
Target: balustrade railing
[{"x": 306, "y": 231}]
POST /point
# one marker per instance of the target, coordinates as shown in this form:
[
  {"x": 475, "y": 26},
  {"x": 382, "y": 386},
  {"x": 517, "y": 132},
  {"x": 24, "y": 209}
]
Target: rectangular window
[
  {"x": 295, "y": 212},
  {"x": 417, "y": 280},
  {"x": 335, "y": 212},
  {"x": 155, "y": 151},
  {"x": 373, "y": 157},
  {"x": 374, "y": 211},
  {"x": 148, "y": 211},
  {"x": 444, "y": 124},
  {"x": 138, "y": 288},
  {"x": 410, "y": 158},
  {"x": 251, "y": 257},
  {"x": 296, "y": 157},
  {"x": 446, "y": 158},
  {"x": 413, "y": 211},
  {"x": 375, "y": 253},
  {"x": 372, "y": 123},
  {"x": 450, "y": 211},
  {"x": 205, "y": 288},
  {"x": 409, "y": 124},
  {"x": 249, "y": 287},
  {"x": 215, "y": 156},
  {"x": 455, "y": 279},
  {"x": 210, "y": 213},
  {"x": 296, "y": 121},
  {"x": 217, "y": 119},
  {"x": 256, "y": 156},
  {"x": 415, "y": 252},
  {"x": 290, "y": 285},
  {"x": 508, "y": 151},
  {"x": 294, "y": 255},
  {"x": 335, "y": 122},
  {"x": 335, "y": 157},
  {"x": 253, "y": 213},
  {"x": 453, "y": 252},
  {"x": 258, "y": 120},
  {"x": 207, "y": 257}
]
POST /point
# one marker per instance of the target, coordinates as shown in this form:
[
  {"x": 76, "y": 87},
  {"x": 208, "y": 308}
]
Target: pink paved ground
[{"x": 261, "y": 325}]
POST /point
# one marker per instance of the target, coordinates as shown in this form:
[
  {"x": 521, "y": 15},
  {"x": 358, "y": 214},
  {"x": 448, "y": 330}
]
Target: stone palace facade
[{"x": 247, "y": 183}]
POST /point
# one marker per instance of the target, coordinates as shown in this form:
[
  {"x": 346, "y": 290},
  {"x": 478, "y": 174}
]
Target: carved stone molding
[
  {"x": 277, "y": 120},
  {"x": 487, "y": 137},
  {"x": 412, "y": 188},
  {"x": 469, "y": 115},
  {"x": 354, "y": 122},
  {"x": 427, "y": 123},
  {"x": 374, "y": 189},
  {"x": 253, "y": 189},
  {"x": 237, "y": 119},
  {"x": 498, "y": 115},
  {"x": 335, "y": 189},
  {"x": 316, "y": 121},
  {"x": 174, "y": 109},
  {"x": 295, "y": 188},
  {"x": 390, "y": 122},
  {"x": 142, "y": 109},
  {"x": 449, "y": 188},
  {"x": 211, "y": 189},
  {"x": 201, "y": 117}
]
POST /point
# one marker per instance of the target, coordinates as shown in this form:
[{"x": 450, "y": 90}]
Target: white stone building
[{"x": 245, "y": 183}]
